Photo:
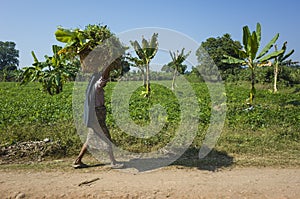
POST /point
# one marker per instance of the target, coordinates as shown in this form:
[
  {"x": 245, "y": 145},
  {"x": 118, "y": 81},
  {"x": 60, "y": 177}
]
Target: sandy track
[{"x": 163, "y": 183}]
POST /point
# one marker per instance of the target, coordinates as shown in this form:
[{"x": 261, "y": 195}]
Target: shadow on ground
[{"x": 212, "y": 162}]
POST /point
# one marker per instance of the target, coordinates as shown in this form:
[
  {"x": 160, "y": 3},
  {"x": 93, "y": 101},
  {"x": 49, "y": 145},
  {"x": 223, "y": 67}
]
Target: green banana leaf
[
  {"x": 233, "y": 60},
  {"x": 258, "y": 33},
  {"x": 153, "y": 46},
  {"x": 271, "y": 56},
  {"x": 249, "y": 45},
  {"x": 268, "y": 46},
  {"x": 283, "y": 48},
  {"x": 34, "y": 57},
  {"x": 138, "y": 49},
  {"x": 64, "y": 35},
  {"x": 287, "y": 55},
  {"x": 246, "y": 35},
  {"x": 254, "y": 45},
  {"x": 145, "y": 44}
]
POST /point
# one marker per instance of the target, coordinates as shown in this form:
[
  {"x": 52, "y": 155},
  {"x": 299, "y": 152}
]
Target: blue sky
[{"x": 31, "y": 23}]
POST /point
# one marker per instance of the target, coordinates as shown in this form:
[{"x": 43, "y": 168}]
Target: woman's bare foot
[{"x": 116, "y": 165}]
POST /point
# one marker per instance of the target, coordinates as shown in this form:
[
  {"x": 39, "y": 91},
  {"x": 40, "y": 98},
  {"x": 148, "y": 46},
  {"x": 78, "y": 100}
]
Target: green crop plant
[
  {"x": 145, "y": 53},
  {"x": 176, "y": 63},
  {"x": 249, "y": 56},
  {"x": 279, "y": 61},
  {"x": 53, "y": 73}
]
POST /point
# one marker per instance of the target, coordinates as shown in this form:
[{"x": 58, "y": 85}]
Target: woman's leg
[{"x": 81, "y": 154}]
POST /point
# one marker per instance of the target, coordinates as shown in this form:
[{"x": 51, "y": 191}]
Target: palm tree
[
  {"x": 145, "y": 53},
  {"x": 176, "y": 63},
  {"x": 248, "y": 55}
]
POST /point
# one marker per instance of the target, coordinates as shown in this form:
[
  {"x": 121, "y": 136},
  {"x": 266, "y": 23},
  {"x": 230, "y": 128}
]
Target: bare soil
[{"x": 169, "y": 182}]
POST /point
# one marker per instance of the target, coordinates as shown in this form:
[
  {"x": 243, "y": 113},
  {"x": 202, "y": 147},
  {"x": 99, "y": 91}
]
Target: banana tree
[
  {"x": 279, "y": 61},
  {"x": 177, "y": 60},
  {"x": 249, "y": 54},
  {"x": 35, "y": 72},
  {"x": 52, "y": 73},
  {"x": 145, "y": 53}
]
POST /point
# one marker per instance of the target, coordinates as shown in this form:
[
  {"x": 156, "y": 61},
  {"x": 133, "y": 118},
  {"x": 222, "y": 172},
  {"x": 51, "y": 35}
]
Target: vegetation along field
[{"x": 266, "y": 135}]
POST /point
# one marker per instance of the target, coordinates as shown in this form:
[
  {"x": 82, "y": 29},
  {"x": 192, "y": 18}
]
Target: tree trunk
[
  {"x": 148, "y": 89},
  {"x": 275, "y": 77},
  {"x": 252, "y": 92},
  {"x": 174, "y": 77},
  {"x": 143, "y": 77}
]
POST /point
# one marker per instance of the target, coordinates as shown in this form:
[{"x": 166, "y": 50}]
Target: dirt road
[{"x": 162, "y": 183}]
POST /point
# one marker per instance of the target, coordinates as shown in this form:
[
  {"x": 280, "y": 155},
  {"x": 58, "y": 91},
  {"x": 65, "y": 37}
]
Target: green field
[{"x": 267, "y": 135}]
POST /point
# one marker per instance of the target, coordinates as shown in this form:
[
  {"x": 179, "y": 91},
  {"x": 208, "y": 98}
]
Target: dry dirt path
[{"x": 162, "y": 183}]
